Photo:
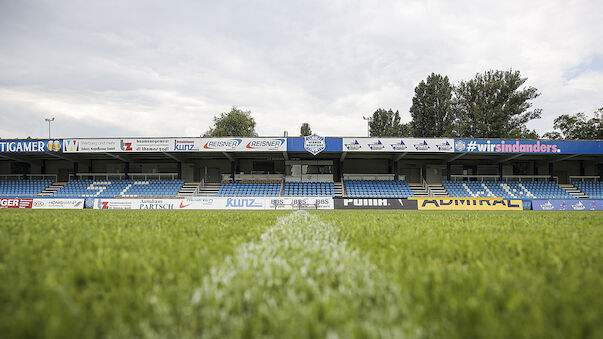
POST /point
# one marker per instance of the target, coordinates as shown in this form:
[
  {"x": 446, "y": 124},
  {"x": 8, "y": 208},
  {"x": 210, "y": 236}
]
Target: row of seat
[
  {"x": 378, "y": 188},
  {"x": 593, "y": 189},
  {"x": 506, "y": 189},
  {"x": 239, "y": 189},
  {"x": 119, "y": 188},
  {"x": 354, "y": 188},
  {"x": 23, "y": 188}
]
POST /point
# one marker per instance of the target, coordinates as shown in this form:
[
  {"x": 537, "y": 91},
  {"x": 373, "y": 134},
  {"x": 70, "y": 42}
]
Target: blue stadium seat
[
  {"x": 506, "y": 189},
  {"x": 23, "y": 188},
  {"x": 378, "y": 188},
  {"x": 309, "y": 189},
  {"x": 594, "y": 189},
  {"x": 119, "y": 188},
  {"x": 250, "y": 189}
]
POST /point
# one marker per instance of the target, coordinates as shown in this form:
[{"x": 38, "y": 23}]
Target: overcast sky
[{"x": 166, "y": 68}]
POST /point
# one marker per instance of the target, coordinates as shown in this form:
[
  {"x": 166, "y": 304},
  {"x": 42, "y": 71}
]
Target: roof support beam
[
  {"x": 455, "y": 157},
  {"x": 343, "y": 156},
  {"x": 229, "y": 156},
  {"x": 118, "y": 157},
  {"x": 170, "y": 155},
  {"x": 566, "y": 157},
  {"x": 511, "y": 157},
  {"x": 61, "y": 156},
  {"x": 397, "y": 158},
  {"x": 285, "y": 155},
  {"x": 14, "y": 158}
]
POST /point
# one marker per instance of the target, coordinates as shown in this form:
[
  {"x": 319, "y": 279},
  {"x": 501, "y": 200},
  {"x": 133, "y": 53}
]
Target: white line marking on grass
[{"x": 300, "y": 280}]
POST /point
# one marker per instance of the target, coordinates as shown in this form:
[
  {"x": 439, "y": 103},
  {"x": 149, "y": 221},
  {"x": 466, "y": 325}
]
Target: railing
[
  {"x": 28, "y": 176},
  {"x": 495, "y": 177},
  {"x": 426, "y": 186},
  {"x": 368, "y": 177},
  {"x": 573, "y": 178},
  {"x": 199, "y": 187},
  {"x": 119, "y": 176}
]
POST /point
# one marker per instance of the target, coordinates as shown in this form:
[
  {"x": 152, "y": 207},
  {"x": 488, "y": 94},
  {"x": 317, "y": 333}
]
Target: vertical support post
[
  {"x": 127, "y": 170},
  {"x": 448, "y": 170},
  {"x": 76, "y": 167},
  {"x": 582, "y": 167},
  {"x": 232, "y": 170},
  {"x": 179, "y": 164},
  {"x": 500, "y": 171},
  {"x": 396, "y": 171},
  {"x": 44, "y": 166},
  {"x": 551, "y": 170}
]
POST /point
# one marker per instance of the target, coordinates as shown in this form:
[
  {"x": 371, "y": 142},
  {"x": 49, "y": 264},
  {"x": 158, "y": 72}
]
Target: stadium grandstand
[{"x": 313, "y": 166}]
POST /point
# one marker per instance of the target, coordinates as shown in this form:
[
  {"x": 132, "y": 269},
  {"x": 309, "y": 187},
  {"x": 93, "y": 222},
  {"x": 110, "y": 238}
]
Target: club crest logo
[
  {"x": 314, "y": 144},
  {"x": 459, "y": 145}
]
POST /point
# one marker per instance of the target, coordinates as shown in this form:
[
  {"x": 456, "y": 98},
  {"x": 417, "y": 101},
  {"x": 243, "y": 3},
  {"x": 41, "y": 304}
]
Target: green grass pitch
[{"x": 335, "y": 274}]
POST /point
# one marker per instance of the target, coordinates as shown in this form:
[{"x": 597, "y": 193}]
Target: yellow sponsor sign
[{"x": 469, "y": 204}]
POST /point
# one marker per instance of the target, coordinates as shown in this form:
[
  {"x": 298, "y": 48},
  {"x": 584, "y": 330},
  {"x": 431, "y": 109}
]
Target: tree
[
  {"x": 387, "y": 124},
  {"x": 305, "y": 130},
  {"x": 236, "y": 123},
  {"x": 431, "y": 111},
  {"x": 492, "y": 105},
  {"x": 577, "y": 126}
]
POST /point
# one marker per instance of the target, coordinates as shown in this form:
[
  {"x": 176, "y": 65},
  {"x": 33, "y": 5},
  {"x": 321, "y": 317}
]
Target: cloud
[{"x": 149, "y": 69}]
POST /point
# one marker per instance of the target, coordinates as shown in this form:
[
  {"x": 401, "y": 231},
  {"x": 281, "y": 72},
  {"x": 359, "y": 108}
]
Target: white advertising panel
[
  {"x": 217, "y": 203},
  {"x": 62, "y": 204},
  {"x": 243, "y": 144},
  {"x": 397, "y": 145},
  {"x": 175, "y": 145},
  {"x": 294, "y": 203},
  {"x": 91, "y": 145}
]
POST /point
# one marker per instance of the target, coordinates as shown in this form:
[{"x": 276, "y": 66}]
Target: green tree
[
  {"x": 387, "y": 124},
  {"x": 577, "y": 126},
  {"x": 492, "y": 105},
  {"x": 431, "y": 111},
  {"x": 236, "y": 123},
  {"x": 305, "y": 130}
]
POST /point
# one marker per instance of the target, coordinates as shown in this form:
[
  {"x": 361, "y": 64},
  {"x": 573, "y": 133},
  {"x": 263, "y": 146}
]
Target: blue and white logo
[
  {"x": 314, "y": 144},
  {"x": 399, "y": 146},
  {"x": 459, "y": 145},
  {"x": 354, "y": 146},
  {"x": 377, "y": 146}
]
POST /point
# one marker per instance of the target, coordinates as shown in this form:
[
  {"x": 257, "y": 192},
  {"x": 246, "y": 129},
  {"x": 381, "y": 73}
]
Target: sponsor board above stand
[
  {"x": 398, "y": 145},
  {"x": 31, "y": 146},
  {"x": 217, "y": 203},
  {"x": 175, "y": 145},
  {"x": 375, "y": 203},
  {"x": 528, "y": 146},
  {"x": 468, "y": 204},
  {"x": 567, "y": 205}
]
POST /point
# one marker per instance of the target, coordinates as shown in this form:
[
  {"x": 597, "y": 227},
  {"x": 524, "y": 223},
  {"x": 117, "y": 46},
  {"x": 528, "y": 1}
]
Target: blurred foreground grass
[{"x": 80, "y": 274}]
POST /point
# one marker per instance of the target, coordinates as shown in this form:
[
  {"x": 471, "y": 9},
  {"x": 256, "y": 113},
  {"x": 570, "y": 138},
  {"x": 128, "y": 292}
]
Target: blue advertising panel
[
  {"x": 314, "y": 144},
  {"x": 31, "y": 146},
  {"x": 568, "y": 205},
  {"x": 528, "y": 146}
]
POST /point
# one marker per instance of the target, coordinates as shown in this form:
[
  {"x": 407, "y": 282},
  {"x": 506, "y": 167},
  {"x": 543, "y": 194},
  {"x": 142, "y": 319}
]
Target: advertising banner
[
  {"x": 468, "y": 204},
  {"x": 294, "y": 203},
  {"x": 375, "y": 203},
  {"x": 216, "y": 203},
  {"x": 528, "y": 146},
  {"x": 567, "y": 205},
  {"x": 398, "y": 145},
  {"x": 31, "y": 146},
  {"x": 91, "y": 145},
  {"x": 146, "y": 145},
  {"x": 63, "y": 204},
  {"x": 15, "y": 203},
  {"x": 243, "y": 144}
]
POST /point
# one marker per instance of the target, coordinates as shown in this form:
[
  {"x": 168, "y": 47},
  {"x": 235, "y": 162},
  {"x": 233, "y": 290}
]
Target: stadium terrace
[{"x": 311, "y": 172}]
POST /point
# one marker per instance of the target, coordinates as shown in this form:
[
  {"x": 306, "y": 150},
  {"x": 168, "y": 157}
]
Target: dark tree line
[{"x": 491, "y": 105}]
